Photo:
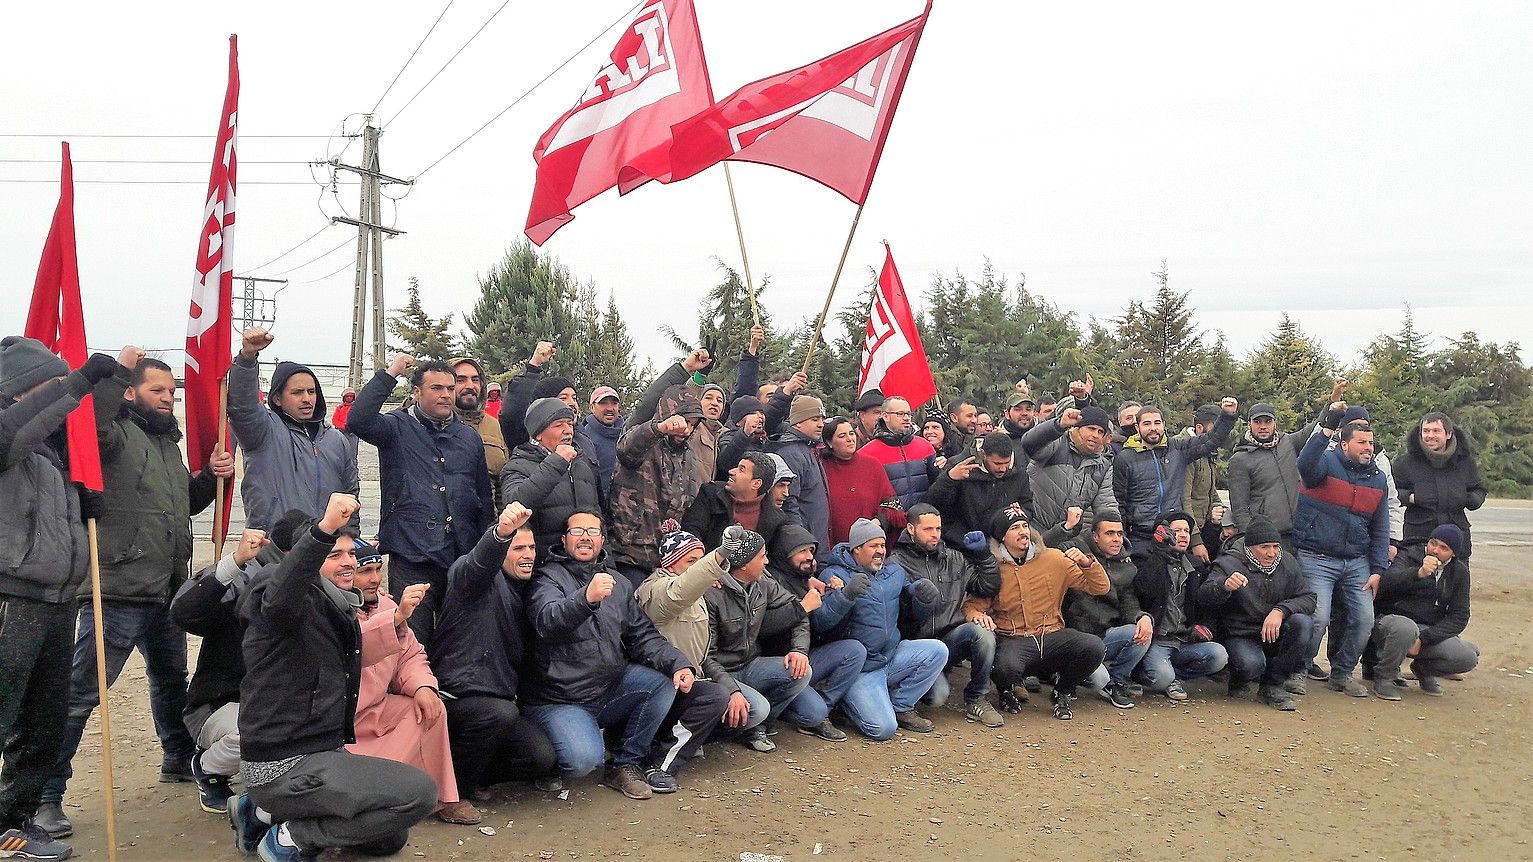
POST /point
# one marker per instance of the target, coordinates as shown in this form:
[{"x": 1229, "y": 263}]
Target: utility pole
[
  {"x": 369, "y": 238},
  {"x": 259, "y": 309}
]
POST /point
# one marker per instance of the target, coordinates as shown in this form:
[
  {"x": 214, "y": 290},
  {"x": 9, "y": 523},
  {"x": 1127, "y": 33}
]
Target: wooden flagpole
[
  {"x": 750, "y": 286},
  {"x": 220, "y": 529},
  {"x": 107, "y": 790},
  {"x": 820, "y": 326}
]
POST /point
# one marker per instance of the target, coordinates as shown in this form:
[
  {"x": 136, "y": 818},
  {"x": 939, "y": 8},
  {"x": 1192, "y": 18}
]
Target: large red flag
[
  {"x": 208, "y": 349},
  {"x": 827, "y": 121},
  {"x": 619, "y": 131},
  {"x": 893, "y": 358},
  {"x": 57, "y": 320}
]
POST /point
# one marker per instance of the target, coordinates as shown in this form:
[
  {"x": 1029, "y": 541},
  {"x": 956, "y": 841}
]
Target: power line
[
  {"x": 301, "y": 244},
  {"x": 184, "y": 137},
  {"x": 55, "y": 161},
  {"x": 518, "y": 100},
  {"x": 242, "y": 183},
  {"x": 449, "y": 61},
  {"x": 412, "y": 56},
  {"x": 344, "y": 267},
  {"x": 315, "y": 259}
]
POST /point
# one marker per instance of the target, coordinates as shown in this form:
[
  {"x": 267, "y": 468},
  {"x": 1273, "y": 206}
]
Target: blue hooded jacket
[{"x": 873, "y": 618}]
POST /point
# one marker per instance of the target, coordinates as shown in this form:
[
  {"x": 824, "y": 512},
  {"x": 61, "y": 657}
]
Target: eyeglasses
[
  {"x": 905, "y": 413},
  {"x": 583, "y": 531}
]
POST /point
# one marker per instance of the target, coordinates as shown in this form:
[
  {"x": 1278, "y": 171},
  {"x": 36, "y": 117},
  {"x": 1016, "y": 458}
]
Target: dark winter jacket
[
  {"x": 713, "y": 511},
  {"x": 736, "y": 613},
  {"x": 288, "y": 464},
  {"x": 604, "y": 445},
  {"x": 909, "y": 461},
  {"x": 481, "y": 635},
  {"x": 874, "y": 617},
  {"x": 1441, "y": 493},
  {"x": 808, "y": 498},
  {"x": 551, "y": 487},
  {"x": 955, "y": 576},
  {"x": 43, "y": 550},
  {"x": 206, "y": 606},
  {"x": 1264, "y": 481},
  {"x": 1342, "y": 511},
  {"x": 1149, "y": 481},
  {"x": 581, "y": 650},
  {"x": 1439, "y": 605},
  {"x": 1119, "y": 606},
  {"x": 969, "y": 505},
  {"x": 1061, "y": 476},
  {"x": 1153, "y": 586},
  {"x": 1240, "y": 613}
]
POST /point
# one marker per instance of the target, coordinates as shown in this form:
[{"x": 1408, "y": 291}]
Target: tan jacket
[
  {"x": 1032, "y": 592},
  {"x": 495, "y": 451},
  {"x": 675, "y": 604}
]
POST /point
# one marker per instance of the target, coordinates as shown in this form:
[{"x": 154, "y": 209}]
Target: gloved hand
[
  {"x": 98, "y": 367},
  {"x": 740, "y": 546},
  {"x": 858, "y": 586},
  {"x": 92, "y": 503},
  {"x": 925, "y": 591},
  {"x": 1332, "y": 419},
  {"x": 974, "y": 540}
]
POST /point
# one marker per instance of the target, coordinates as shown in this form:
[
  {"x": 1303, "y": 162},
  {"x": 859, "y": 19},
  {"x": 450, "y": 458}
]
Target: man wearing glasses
[{"x": 908, "y": 459}]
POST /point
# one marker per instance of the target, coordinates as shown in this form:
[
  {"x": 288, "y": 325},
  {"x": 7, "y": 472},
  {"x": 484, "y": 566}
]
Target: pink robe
[{"x": 386, "y": 724}]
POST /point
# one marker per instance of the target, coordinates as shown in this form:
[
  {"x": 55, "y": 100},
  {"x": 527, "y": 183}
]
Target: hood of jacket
[
  {"x": 1463, "y": 446},
  {"x": 1138, "y": 445},
  {"x": 882, "y": 432},
  {"x": 279, "y": 378},
  {"x": 841, "y": 555}
]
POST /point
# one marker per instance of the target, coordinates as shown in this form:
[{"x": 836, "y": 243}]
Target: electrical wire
[
  {"x": 449, "y": 61},
  {"x": 314, "y": 259},
  {"x": 557, "y": 69},
  {"x": 55, "y": 161},
  {"x": 412, "y": 56},
  {"x": 154, "y": 137},
  {"x": 242, "y": 183},
  {"x": 348, "y": 265},
  {"x": 305, "y": 241}
]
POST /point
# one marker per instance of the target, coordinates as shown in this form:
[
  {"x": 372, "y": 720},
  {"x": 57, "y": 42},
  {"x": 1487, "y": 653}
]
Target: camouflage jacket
[{"x": 653, "y": 482}]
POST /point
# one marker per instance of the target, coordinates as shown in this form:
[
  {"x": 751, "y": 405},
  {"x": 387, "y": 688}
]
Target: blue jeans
[
  {"x": 127, "y": 626},
  {"x": 835, "y": 667},
  {"x": 769, "y": 688},
  {"x": 976, "y": 645},
  {"x": 1271, "y": 664},
  {"x": 1346, "y": 579},
  {"x": 639, "y": 702},
  {"x": 878, "y": 694},
  {"x": 1123, "y": 655},
  {"x": 1165, "y": 663}
]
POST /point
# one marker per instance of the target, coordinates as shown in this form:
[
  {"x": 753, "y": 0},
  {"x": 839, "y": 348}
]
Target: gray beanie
[
  {"x": 25, "y": 363},
  {"x": 545, "y": 412},
  {"x": 863, "y": 530}
]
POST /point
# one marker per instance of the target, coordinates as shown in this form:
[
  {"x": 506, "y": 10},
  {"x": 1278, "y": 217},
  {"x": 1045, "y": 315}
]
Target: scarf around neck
[
  {"x": 1270, "y": 444},
  {"x": 1266, "y": 570}
]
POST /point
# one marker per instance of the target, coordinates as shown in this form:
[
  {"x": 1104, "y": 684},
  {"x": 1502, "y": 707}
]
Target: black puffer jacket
[
  {"x": 43, "y": 550},
  {"x": 736, "y": 614},
  {"x": 551, "y": 487},
  {"x": 481, "y": 636},
  {"x": 1241, "y": 613},
  {"x": 581, "y": 650},
  {"x": 1119, "y": 606},
  {"x": 969, "y": 505},
  {"x": 955, "y": 576},
  {"x": 1264, "y": 480},
  {"x": 1441, "y": 493},
  {"x": 1148, "y": 481},
  {"x": 713, "y": 511},
  {"x": 206, "y": 606},
  {"x": 1152, "y": 585}
]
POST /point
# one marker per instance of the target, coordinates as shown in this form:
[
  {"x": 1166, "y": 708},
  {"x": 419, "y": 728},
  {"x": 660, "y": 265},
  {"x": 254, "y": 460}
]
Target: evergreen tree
[
  {"x": 525, "y": 298},
  {"x": 724, "y": 321},
  {"x": 610, "y": 359},
  {"x": 1292, "y": 372},
  {"x": 419, "y": 334},
  {"x": 1392, "y": 382}
]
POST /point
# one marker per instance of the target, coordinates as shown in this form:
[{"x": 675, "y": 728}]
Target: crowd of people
[{"x": 560, "y": 586}]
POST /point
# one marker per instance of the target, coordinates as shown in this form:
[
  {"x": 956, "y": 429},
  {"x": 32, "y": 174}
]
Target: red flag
[
  {"x": 893, "y": 359},
  {"x": 57, "y": 320},
  {"x": 618, "y": 133},
  {"x": 827, "y": 121},
  {"x": 208, "y": 349}
]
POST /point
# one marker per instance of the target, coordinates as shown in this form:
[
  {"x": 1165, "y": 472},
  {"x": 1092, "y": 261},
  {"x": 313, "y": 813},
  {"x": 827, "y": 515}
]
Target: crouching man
[{"x": 1421, "y": 611}]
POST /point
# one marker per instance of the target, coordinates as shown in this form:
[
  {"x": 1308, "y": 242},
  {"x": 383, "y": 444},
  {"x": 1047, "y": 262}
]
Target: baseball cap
[
  {"x": 603, "y": 392},
  {"x": 1262, "y": 410}
]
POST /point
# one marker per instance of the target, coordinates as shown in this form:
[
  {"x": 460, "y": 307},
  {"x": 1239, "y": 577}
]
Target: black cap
[
  {"x": 1261, "y": 410},
  {"x": 869, "y": 400}
]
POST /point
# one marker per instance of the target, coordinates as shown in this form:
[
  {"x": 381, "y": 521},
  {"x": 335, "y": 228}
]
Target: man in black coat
[
  {"x": 1420, "y": 613},
  {"x": 740, "y": 499},
  {"x": 482, "y": 642},
  {"x": 548, "y": 475},
  {"x": 304, "y": 655},
  {"x": 1167, "y": 585},
  {"x": 1264, "y": 610},
  {"x": 972, "y": 490},
  {"x": 1437, "y": 479}
]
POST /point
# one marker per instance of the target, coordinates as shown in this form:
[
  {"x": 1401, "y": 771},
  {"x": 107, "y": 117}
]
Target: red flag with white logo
[
  {"x": 827, "y": 121},
  {"x": 893, "y": 358},
  {"x": 618, "y": 134},
  {"x": 208, "y": 347},
  {"x": 57, "y": 320}
]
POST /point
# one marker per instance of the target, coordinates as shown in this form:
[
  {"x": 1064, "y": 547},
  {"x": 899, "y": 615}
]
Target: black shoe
[
  {"x": 1242, "y": 691},
  {"x": 1117, "y": 695},
  {"x": 50, "y": 818},
  {"x": 1010, "y": 703},
  {"x": 176, "y": 771},
  {"x": 1032, "y": 684},
  {"x": 213, "y": 790},
  {"x": 1061, "y": 702}
]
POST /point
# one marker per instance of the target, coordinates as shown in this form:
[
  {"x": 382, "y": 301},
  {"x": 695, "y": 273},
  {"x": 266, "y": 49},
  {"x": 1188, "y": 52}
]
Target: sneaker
[
  {"x": 213, "y": 791},
  {"x": 1176, "y": 692},
  {"x": 248, "y": 829},
  {"x": 756, "y": 739},
  {"x": 549, "y": 784},
  {"x": 912, "y": 720},
  {"x": 660, "y": 781},
  {"x": 278, "y": 846},
  {"x": 462, "y": 813},
  {"x": 982, "y": 712},
  {"x": 32, "y": 842},
  {"x": 1117, "y": 695},
  {"x": 1385, "y": 691},
  {"x": 826, "y": 731},
  {"x": 1242, "y": 691},
  {"x": 1346, "y": 685},
  {"x": 51, "y": 819},
  {"x": 1010, "y": 703},
  {"x": 1134, "y": 689},
  {"x": 176, "y": 771},
  {"x": 1316, "y": 674},
  {"x": 627, "y": 780},
  {"x": 1429, "y": 685},
  {"x": 1061, "y": 703},
  {"x": 1297, "y": 684},
  {"x": 1278, "y": 697},
  {"x": 1032, "y": 684},
  {"x": 1456, "y": 677}
]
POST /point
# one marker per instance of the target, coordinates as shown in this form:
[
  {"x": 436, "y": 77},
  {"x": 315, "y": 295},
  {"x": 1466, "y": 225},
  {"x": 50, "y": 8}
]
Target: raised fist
[
  {"x": 1230, "y": 405},
  {"x": 599, "y": 588},
  {"x": 1078, "y": 557},
  {"x": 511, "y": 519},
  {"x": 130, "y": 357},
  {"x": 253, "y": 341},
  {"x": 673, "y": 425},
  {"x": 758, "y": 335},
  {"x": 567, "y": 452},
  {"x": 1070, "y": 418},
  {"x": 542, "y": 353},
  {"x": 696, "y": 361},
  {"x": 402, "y": 363},
  {"x": 251, "y": 543},
  {"x": 796, "y": 383},
  {"x": 338, "y": 512},
  {"x": 410, "y": 599},
  {"x": 1073, "y": 517},
  {"x": 1235, "y": 582}
]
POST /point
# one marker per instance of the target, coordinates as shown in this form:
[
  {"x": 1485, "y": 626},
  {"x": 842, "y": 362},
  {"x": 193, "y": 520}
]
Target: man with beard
[
  {"x": 547, "y": 475},
  {"x": 145, "y": 552},
  {"x": 603, "y": 427},
  {"x": 1068, "y": 466},
  {"x": 1019, "y": 417},
  {"x": 653, "y": 483},
  {"x": 869, "y": 407},
  {"x": 1114, "y": 616},
  {"x": 868, "y": 608},
  {"x": 973, "y": 490},
  {"x": 909, "y": 460},
  {"x": 431, "y": 468},
  {"x": 1167, "y": 587},
  {"x": 1422, "y": 609},
  {"x": 1150, "y": 474},
  {"x": 470, "y": 404},
  {"x": 598, "y": 662},
  {"x": 961, "y": 416},
  {"x": 1437, "y": 480},
  {"x": 799, "y": 445},
  {"x": 482, "y": 642},
  {"x": 1264, "y": 471},
  {"x": 740, "y": 499}
]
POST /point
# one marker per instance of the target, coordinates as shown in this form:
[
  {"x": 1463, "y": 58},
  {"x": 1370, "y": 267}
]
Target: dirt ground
[{"x": 1433, "y": 778}]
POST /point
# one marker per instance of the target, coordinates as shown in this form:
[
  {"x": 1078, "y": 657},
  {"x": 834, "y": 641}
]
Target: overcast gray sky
[{"x": 1336, "y": 161}]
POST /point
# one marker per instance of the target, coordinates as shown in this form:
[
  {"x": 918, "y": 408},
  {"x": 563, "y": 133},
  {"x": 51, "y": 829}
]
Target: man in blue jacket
[
  {"x": 867, "y": 609},
  {"x": 1149, "y": 475},
  {"x": 1341, "y": 527},
  {"x": 436, "y": 487}
]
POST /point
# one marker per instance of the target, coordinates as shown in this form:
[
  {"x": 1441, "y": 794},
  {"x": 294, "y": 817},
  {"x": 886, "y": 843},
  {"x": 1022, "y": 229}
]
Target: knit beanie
[
  {"x": 863, "y": 530},
  {"x": 367, "y": 554},
  {"x": 545, "y": 412},
  {"x": 1094, "y": 415},
  {"x": 742, "y": 407},
  {"x": 25, "y": 363},
  {"x": 550, "y": 387},
  {"x": 1450, "y": 535},
  {"x": 675, "y": 543},
  {"x": 740, "y": 546},
  {"x": 1261, "y": 532},
  {"x": 1355, "y": 413},
  {"x": 805, "y": 407},
  {"x": 1001, "y": 522}
]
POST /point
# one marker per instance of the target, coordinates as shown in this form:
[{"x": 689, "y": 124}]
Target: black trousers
[
  {"x": 492, "y": 743},
  {"x": 689, "y": 724},
  {"x": 1071, "y": 654},
  {"x": 36, "y": 640},
  {"x": 404, "y": 573},
  {"x": 336, "y": 799}
]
